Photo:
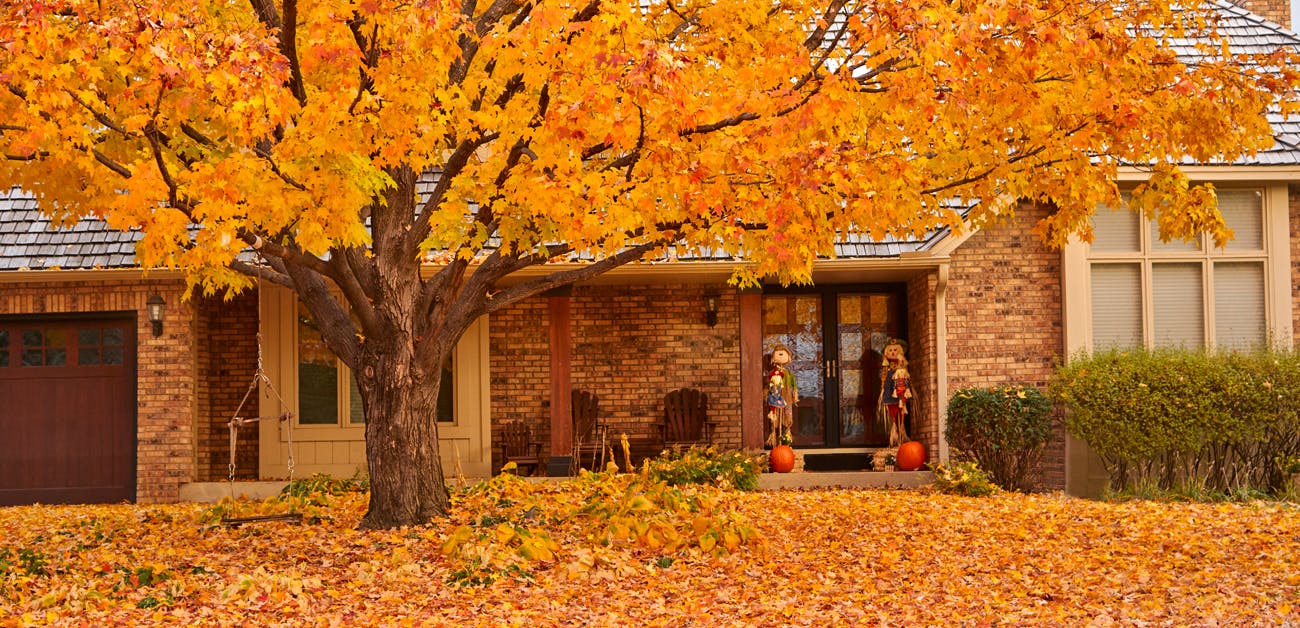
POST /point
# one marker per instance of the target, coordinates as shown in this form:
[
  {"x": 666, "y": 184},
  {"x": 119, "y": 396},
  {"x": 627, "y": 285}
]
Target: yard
[{"x": 601, "y": 551}]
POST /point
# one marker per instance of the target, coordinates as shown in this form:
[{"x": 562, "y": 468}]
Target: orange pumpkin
[
  {"x": 911, "y": 456},
  {"x": 782, "y": 459}
]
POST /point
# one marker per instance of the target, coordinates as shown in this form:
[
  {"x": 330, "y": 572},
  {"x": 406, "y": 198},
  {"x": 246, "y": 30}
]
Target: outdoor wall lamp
[
  {"x": 154, "y": 306},
  {"x": 711, "y": 308}
]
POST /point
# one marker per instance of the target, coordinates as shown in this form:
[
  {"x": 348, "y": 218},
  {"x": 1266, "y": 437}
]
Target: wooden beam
[
  {"x": 558, "y": 308},
  {"x": 751, "y": 370}
]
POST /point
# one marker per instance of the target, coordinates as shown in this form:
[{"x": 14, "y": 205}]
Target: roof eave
[{"x": 1281, "y": 173}]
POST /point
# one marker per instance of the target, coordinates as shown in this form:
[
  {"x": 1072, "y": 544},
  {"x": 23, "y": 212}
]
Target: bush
[
  {"x": 963, "y": 478},
  {"x": 1185, "y": 421},
  {"x": 1003, "y": 429},
  {"x": 697, "y": 465}
]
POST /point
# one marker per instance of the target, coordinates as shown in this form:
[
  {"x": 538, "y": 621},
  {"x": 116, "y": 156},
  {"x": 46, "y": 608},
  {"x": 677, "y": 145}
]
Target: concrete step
[{"x": 844, "y": 479}]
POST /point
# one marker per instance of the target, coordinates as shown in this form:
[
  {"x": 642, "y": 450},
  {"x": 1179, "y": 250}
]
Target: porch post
[
  {"x": 561, "y": 452},
  {"x": 751, "y": 369}
]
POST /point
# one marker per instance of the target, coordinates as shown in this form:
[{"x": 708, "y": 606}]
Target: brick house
[{"x": 102, "y": 404}]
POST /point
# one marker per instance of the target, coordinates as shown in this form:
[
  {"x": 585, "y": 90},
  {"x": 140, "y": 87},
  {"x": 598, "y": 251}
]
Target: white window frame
[{"x": 1078, "y": 257}]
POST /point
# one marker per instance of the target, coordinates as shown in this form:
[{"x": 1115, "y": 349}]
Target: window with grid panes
[{"x": 1148, "y": 293}]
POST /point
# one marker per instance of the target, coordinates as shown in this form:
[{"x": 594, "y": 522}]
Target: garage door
[{"x": 67, "y": 411}]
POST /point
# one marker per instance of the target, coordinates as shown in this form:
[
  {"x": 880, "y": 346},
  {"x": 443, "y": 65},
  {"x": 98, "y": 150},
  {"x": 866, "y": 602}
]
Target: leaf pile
[{"x": 601, "y": 550}]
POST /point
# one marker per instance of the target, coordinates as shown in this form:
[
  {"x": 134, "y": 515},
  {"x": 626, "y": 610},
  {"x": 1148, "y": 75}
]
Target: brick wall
[
  {"x": 520, "y": 370},
  {"x": 226, "y": 355},
  {"x": 631, "y": 345},
  {"x": 1278, "y": 11},
  {"x": 165, "y": 382},
  {"x": 923, "y": 362},
  {"x": 1004, "y": 317}
]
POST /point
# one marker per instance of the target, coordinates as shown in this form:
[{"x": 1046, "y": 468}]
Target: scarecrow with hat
[
  {"x": 895, "y": 390},
  {"x": 782, "y": 396}
]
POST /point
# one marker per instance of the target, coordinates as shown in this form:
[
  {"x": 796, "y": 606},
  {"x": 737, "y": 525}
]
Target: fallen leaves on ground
[{"x": 817, "y": 558}]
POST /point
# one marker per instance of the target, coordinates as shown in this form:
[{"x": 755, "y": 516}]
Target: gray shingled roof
[
  {"x": 27, "y": 241},
  {"x": 1248, "y": 33}
]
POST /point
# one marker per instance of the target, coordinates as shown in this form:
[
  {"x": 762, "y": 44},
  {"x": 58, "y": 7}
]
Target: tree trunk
[{"x": 400, "y": 400}]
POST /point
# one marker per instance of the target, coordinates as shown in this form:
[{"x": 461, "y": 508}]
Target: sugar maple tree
[{"x": 594, "y": 133}]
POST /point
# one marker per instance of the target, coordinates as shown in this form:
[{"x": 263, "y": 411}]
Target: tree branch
[
  {"x": 291, "y": 256},
  {"x": 289, "y": 48},
  {"x": 352, "y": 290},
  {"x": 336, "y": 327},
  {"x": 262, "y": 272},
  {"x": 263, "y": 149},
  {"x": 450, "y": 169},
  {"x": 99, "y": 116},
  {"x": 469, "y": 44},
  {"x": 816, "y": 37},
  {"x": 110, "y": 164}
]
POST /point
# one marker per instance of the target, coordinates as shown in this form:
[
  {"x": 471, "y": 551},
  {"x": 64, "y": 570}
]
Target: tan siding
[{"x": 1293, "y": 197}]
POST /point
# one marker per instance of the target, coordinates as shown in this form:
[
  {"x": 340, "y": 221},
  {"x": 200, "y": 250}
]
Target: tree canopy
[
  {"x": 761, "y": 129},
  {"x": 594, "y": 130}
]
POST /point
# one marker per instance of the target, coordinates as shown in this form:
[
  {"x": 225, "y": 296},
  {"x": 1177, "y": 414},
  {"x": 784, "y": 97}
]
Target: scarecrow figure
[
  {"x": 895, "y": 390},
  {"x": 782, "y": 395}
]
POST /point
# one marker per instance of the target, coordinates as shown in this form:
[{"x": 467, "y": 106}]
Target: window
[
  {"x": 1149, "y": 293},
  {"x": 327, "y": 392},
  {"x": 97, "y": 346},
  {"x": 44, "y": 347}
]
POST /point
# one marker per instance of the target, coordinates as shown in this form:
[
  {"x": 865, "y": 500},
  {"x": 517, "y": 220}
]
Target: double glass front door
[{"x": 835, "y": 336}]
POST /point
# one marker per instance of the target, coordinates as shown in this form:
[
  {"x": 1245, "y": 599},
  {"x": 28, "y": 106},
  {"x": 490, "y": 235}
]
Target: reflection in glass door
[
  {"x": 795, "y": 320},
  {"x": 838, "y": 372},
  {"x": 865, "y": 323}
]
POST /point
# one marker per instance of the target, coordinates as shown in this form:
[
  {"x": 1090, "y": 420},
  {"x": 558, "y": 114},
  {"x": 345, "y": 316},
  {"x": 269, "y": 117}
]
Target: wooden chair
[
  {"x": 590, "y": 435},
  {"x": 686, "y": 418},
  {"x": 517, "y": 446}
]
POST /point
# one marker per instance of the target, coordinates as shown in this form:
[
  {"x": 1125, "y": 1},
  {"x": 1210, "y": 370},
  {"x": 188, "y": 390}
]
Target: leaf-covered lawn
[{"x": 816, "y": 558}]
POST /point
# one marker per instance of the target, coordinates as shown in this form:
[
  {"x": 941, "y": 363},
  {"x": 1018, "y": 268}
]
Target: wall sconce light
[
  {"x": 154, "y": 307},
  {"x": 711, "y": 308}
]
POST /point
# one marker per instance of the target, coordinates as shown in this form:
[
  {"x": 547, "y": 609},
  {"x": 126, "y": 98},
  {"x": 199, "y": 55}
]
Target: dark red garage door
[{"x": 67, "y": 410}]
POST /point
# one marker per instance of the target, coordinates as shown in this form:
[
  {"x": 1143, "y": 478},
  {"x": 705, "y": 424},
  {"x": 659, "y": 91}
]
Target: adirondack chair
[
  {"x": 686, "y": 418},
  {"x": 517, "y": 446},
  {"x": 590, "y": 435}
]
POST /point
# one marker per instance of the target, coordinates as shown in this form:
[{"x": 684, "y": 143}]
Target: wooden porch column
[
  {"x": 560, "y": 341},
  {"x": 751, "y": 370}
]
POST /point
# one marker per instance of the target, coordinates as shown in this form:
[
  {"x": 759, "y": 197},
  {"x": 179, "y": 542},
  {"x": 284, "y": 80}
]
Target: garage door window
[
  {"x": 97, "y": 346},
  {"x": 45, "y": 347}
]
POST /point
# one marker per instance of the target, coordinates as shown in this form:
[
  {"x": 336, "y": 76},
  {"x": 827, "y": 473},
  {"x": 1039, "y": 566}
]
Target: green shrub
[
  {"x": 963, "y": 478},
  {"x": 697, "y": 465},
  {"x": 1004, "y": 429},
  {"x": 1185, "y": 421}
]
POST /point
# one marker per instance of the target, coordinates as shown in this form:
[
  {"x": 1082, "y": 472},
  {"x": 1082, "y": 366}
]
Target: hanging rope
[
  {"x": 259, "y": 377},
  {"x": 237, "y": 421}
]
